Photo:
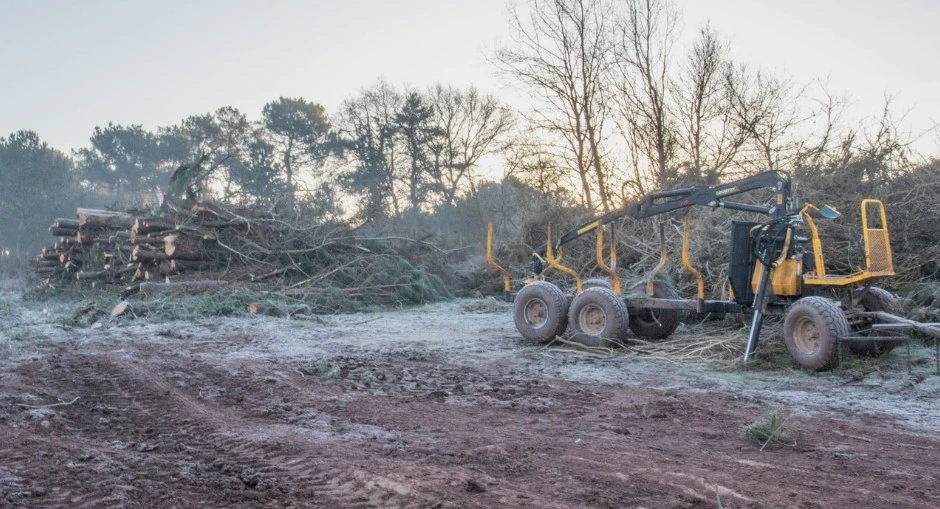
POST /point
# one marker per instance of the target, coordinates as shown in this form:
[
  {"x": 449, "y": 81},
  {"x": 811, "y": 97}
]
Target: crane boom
[{"x": 674, "y": 199}]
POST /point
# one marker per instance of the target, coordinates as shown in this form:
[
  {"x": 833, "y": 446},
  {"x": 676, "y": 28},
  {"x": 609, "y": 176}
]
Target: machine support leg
[{"x": 758, "y": 319}]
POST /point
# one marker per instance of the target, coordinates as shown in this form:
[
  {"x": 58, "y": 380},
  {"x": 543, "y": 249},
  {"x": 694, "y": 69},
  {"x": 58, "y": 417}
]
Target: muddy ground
[{"x": 439, "y": 406}]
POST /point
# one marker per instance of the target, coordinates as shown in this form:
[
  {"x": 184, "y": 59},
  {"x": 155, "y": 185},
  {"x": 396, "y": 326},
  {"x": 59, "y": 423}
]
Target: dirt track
[{"x": 433, "y": 407}]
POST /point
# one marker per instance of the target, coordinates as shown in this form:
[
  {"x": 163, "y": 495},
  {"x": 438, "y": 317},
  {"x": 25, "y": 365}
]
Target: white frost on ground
[{"x": 481, "y": 332}]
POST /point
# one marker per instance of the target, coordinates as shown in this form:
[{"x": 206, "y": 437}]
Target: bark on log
[
  {"x": 142, "y": 254},
  {"x": 65, "y": 243},
  {"x": 120, "y": 236},
  {"x": 166, "y": 269},
  {"x": 104, "y": 218},
  {"x": 63, "y": 222},
  {"x": 147, "y": 240},
  {"x": 86, "y": 238},
  {"x": 120, "y": 270},
  {"x": 69, "y": 257},
  {"x": 98, "y": 274},
  {"x": 185, "y": 247},
  {"x": 63, "y": 232},
  {"x": 189, "y": 266},
  {"x": 182, "y": 287},
  {"x": 147, "y": 226}
]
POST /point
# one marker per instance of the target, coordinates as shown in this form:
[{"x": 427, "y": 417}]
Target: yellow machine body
[{"x": 786, "y": 280}]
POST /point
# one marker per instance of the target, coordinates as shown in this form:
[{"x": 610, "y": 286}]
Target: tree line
[
  {"x": 627, "y": 109},
  {"x": 618, "y": 108},
  {"x": 388, "y": 150}
]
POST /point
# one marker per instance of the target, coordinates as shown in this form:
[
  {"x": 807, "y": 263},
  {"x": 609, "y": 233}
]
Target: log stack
[
  {"x": 91, "y": 248},
  {"x": 201, "y": 244},
  {"x": 182, "y": 241},
  {"x": 103, "y": 247}
]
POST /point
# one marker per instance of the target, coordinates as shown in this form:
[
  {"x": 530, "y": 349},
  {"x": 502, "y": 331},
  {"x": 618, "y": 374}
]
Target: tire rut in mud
[{"x": 135, "y": 440}]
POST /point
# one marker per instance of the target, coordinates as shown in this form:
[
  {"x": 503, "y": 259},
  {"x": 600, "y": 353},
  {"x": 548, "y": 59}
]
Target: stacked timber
[
  {"x": 89, "y": 248},
  {"x": 191, "y": 247},
  {"x": 182, "y": 241},
  {"x": 109, "y": 247}
]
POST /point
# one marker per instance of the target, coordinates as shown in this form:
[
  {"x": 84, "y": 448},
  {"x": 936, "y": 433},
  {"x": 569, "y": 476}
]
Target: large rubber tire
[
  {"x": 876, "y": 299},
  {"x": 540, "y": 311},
  {"x": 654, "y": 323},
  {"x": 596, "y": 282},
  {"x": 598, "y": 317},
  {"x": 811, "y": 331}
]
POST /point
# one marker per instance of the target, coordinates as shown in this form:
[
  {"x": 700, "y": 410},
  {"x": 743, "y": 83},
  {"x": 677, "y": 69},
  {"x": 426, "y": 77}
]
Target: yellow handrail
[
  {"x": 866, "y": 230},
  {"x": 817, "y": 243}
]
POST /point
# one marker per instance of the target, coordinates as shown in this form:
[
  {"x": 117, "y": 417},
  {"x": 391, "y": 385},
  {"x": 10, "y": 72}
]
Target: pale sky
[{"x": 67, "y": 66}]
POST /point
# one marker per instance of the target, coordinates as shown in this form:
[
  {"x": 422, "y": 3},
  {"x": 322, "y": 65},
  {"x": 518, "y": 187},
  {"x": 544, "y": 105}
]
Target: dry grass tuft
[{"x": 768, "y": 429}]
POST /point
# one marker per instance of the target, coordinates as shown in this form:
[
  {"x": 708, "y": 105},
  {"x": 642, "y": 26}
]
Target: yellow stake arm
[
  {"x": 663, "y": 257},
  {"x": 553, "y": 262},
  {"x": 610, "y": 271},
  {"x": 507, "y": 286},
  {"x": 685, "y": 258}
]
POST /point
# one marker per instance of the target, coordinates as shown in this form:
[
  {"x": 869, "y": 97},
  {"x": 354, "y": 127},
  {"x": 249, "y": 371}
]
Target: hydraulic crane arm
[{"x": 661, "y": 202}]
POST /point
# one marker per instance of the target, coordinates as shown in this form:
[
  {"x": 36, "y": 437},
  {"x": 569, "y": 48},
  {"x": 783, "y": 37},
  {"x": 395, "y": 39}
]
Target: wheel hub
[
  {"x": 592, "y": 320},
  {"x": 536, "y": 313},
  {"x": 806, "y": 336}
]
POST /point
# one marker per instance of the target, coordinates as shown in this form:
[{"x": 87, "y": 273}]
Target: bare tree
[
  {"x": 830, "y": 144},
  {"x": 646, "y": 33},
  {"x": 473, "y": 124},
  {"x": 766, "y": 107},
  {"x": 561, "y": 52},
  {"x": 711, "y": 138},
  {"x": 534, "y": 164}
]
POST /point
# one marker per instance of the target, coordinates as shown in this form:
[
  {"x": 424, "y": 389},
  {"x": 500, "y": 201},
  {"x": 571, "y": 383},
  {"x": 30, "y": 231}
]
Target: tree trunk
[{"x": 289, "y": 170}]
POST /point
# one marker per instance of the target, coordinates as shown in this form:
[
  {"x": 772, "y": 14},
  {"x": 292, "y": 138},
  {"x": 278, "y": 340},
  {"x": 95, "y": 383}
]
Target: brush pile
[{"x": 190, "y": 247}]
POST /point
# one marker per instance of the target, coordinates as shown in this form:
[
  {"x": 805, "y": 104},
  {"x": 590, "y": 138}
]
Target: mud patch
[{"x": 441, "y": 406}]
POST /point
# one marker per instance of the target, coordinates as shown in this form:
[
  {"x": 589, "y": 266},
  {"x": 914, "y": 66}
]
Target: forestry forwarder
[{"x": 771, "y": 270}]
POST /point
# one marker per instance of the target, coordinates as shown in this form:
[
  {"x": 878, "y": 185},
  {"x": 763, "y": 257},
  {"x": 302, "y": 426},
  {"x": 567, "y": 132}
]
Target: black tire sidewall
[
  {"x": 596, "y": 282},
  {"x": 556, "y": 304},
  {"x": 615, "y": 311},
  {"x": 668, "y": 318},
  {"x": 830, "y": 322},
  {"x": 876, "y": 299}
]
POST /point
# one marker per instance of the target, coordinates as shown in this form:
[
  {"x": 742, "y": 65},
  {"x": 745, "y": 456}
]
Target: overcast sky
[{"x": 67, "y": 66}]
